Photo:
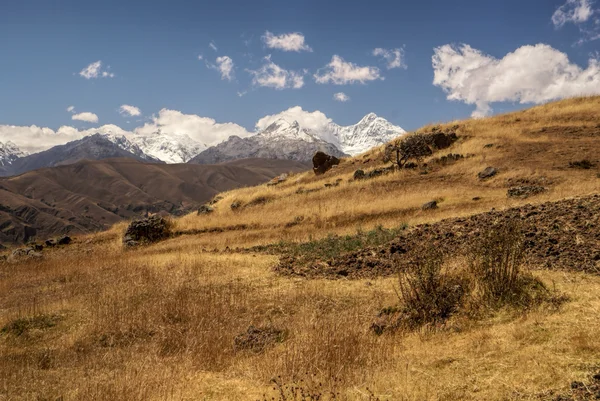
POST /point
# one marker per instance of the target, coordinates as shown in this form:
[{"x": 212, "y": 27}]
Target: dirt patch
[{"x": 559, "y": 235}]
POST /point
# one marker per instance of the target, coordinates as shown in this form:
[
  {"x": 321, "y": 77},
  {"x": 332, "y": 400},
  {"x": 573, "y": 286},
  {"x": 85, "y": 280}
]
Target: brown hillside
[
  {"x": 93, "y": 195},
  {"x": 240, "y": 305}
]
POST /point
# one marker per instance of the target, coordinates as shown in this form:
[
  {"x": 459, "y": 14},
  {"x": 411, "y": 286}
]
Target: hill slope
[{"x": 93, "y": 195}]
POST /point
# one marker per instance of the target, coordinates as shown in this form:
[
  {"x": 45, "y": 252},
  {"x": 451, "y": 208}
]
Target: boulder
[
  {"x": 50, "y": 242},
  {"x": 441, "y": 140},
  {"x": 322, "y": 162},
  {"x": 489, "y": 172},
  {"x": 205, "y": 209},
  {"x": 525, "y": 191},
  {"x": 278, "y": 180},
  {"x": 359, "y": 174},
  {"x": 430, "y": 205},
  {"x": 64, "y": 240},
  {"x": 148, "y": 230},
  {"x": 235, "y": 205}
]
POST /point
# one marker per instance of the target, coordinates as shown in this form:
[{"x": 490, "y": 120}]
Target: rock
[
  {"x": 28, "y": 252},
  {"x": 476, "y": 198},
  {"x": 257, "y": 339},
  {"x": 489, "y": 145},
  {"x": 215, "y": 200},
  {"x": 322, "y": 162},
  {"x": 50, "y": 242},
  {"x": 442, "y": 141},
  {"x": 147, "y": 230},
  {"x": 359, "y": 174},
  {"x": 64, "y": 240},
  {"x": 235, "y": 205},
  {"x": 489, "y": 172},
  {"x": 278, "y": 180},
  {"x": 430, "y": 205},
  {"x": 205, "y": 209},
  {"x": 525, "y": 191}
]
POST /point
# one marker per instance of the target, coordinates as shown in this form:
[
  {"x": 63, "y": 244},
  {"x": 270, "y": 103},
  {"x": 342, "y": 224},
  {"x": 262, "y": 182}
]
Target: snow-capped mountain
[
  {"x": 168, "y": 148},
  {"x": 280, "y": 140},
  {"x": 9, "y": 152},
  {"x": 283, "y": 139},
  {"x": 127, "y": 145},
  {"x": 369, "y": 132}
]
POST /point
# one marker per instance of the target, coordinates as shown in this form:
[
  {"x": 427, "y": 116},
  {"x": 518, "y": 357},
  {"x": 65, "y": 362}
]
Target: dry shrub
[{"x": 494, "y": 278}]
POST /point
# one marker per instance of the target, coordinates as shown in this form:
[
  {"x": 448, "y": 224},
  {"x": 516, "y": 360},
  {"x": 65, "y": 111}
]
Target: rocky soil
[{"x": 559, "y": 235}]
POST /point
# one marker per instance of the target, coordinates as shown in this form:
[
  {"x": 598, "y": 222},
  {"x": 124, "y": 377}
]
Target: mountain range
[{"x": 282, "y": 139}]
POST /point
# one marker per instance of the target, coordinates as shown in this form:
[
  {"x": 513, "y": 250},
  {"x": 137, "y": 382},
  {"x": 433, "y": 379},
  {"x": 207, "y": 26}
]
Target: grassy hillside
[{"x": 208, "y": 315}]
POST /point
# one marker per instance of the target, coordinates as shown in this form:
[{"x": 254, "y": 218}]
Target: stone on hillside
[
  {"x": 278, "y": 180},
  {"x": 322, "y": 162},
  {"x": 489, "y": 172},
  {"x": 235, "y": 205},
  {"x": 525, "y": 191},
  {"x": 441, "y": 140},
  {"x": 205, "y": 209},
  {"x": 50, "y": 242},
  {"x": 64, "y": 240},
  {"x": 147, "y": 230},
  {"x": 430, "y": 205},
  {"x": 359, "y": 174}
]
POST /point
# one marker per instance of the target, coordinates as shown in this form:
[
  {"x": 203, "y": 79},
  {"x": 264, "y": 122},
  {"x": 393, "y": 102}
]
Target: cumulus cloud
[
  {"x": 34, "y": 139},
  {"x": 341, "y": 72},
  {"x": 393, "y": 57},
  {"x": 201, "y": 129},
  {"x": 341, "y": 97},
  {"x": 85, "y": 116},
  {"x": 574, "y": 11},
  {"x": 273, "y": 76},
  {"x": 213, "y": 46},
  {"x": 530, "y": 74},
  {"x": 288, "y": 42},
  {"x": 225, "y": 67},
  {"x": 94, "y": 70},
  {"x": 70, "y": 109},
  {"x": 128, "y": 110}
]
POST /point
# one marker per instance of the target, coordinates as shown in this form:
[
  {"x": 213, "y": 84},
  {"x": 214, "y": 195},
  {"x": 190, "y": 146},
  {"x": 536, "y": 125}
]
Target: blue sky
[{"x": 152, "y": 48}]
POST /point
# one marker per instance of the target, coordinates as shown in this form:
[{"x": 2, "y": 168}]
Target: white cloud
[
  {"x": 213, "y": 46},
  {"x": 70, "y": 109},
  {"x": 273, "y": 76},
  {"x": 85, "y": 116},
  {"x": 94, "y": 70},
  {"x": 530, "y": 74},
  {"x": 289, "y": 42},
  {"x": 201, "y": 129},
  {"x": 225, "y": 67},
  {"x": 127, "y": 110},
  {"x": 575, "y": 11},
  {"x": 36, "y": 139},
  {"x": 200, "y": 57},
  {"x": 393, "y": 57},
  {"x": 341, "y": 97},
  {"x": 340, "y": 72}
]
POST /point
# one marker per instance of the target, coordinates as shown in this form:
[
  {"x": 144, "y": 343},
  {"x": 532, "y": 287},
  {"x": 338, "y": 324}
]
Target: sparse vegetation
[{"x": 160, "y": 321}]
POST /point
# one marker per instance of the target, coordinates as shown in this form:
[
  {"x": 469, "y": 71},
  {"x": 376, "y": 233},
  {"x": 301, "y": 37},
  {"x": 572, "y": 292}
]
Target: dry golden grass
[{"x": 93, "y": 321}]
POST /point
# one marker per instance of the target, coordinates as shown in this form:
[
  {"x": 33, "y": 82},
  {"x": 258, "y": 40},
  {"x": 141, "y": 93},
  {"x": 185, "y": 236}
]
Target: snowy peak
[
  {"x": 281, "y": 129},
  {"x": 369, "y": 132},
  {"x": 9, "y": 152},
  {"x": 125, "y": 144},
  {"x": 168, "y": 148}
]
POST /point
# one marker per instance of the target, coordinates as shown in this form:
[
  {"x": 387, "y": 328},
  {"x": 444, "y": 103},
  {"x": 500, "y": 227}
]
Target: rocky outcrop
[
  {"x": 323, "y": 162},
  {"x": 146, "y": 231}
]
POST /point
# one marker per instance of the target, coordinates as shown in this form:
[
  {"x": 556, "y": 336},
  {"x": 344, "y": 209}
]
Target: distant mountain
[
  {"x": 88, "y": 195},
  {"x": 9, "y": 152},
  {"x": 93, "y": 147},
  {"x": 168, "y": 148},
  {"x": 368, "y": 133},
  {"x": 280, "y": 140},
  {"x": 289, "y": 140}
]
